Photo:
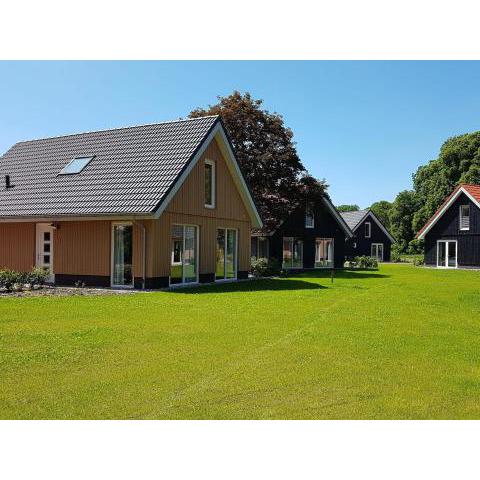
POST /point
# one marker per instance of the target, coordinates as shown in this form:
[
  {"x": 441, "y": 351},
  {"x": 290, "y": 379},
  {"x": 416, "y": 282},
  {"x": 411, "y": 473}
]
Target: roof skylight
[{"x": 76, "y": 165}]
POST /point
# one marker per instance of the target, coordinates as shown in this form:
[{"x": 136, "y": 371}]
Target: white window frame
[
  {"x": 112, "y": 255},
  {"x": 291, "y": 240},
  {"x": 461, "y": 216},
  {"x": 214, "y": 183},
  {"x": 332, "y": 240},
  {"x": 377, "y": 245},
  {"x": 309, "y": 210},
  {"x": 224, "y": 279},
  {"x": 446, "y": 253},
  {"x": 369, "y": 229},
  {"x": 197, "y": 246},
  {"x": 258, "y": 247}
]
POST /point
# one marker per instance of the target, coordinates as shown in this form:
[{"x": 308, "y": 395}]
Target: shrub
[
  {"x": 37, "y": 277},
  {"x": 11, "y": 280},
  {"x": 418, "y": 261},
  {"x": 263, "y": 267},
  {"x": 365, "y": 262},
  {"x": 8, "y": 279},
  {"x": 395, "y": 257}
]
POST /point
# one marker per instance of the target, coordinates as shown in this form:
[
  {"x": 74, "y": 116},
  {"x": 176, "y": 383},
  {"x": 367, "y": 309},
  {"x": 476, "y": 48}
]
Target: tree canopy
[
  {"x": 382, "y": 210},
  {"x": 401, "y": 216},
  {"x": 266, "y": 153},
  {"x": 348, "y": 208},
  {"x": 458, "y": 162}
]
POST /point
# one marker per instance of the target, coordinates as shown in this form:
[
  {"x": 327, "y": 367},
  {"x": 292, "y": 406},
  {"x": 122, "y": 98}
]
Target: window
[
  {"x": 376, "y": 251},
  {"x": 122, "y": 239},
  {"x": 464, "y": 217},
  {"x": 184, "y": 254},
  {"x": 324, "y": 253},
  {"x": 209, "y": 184},
  {"x": 76, "y": 165},
  {"x": 309, "y": 217},
  {"x": 226, "y": 268},
  {"x": 368, "y": 229},
  {"x": 292, "y": 253}
]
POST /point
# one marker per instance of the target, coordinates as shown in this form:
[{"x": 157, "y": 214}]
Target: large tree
[
  {"x": 382, "y": 210},
  {"x": 348, "y": 208},
  {"x": 401, "y": 217},
  {"x": 266, "y": 154},
  {"x": 458, "y": 162}
]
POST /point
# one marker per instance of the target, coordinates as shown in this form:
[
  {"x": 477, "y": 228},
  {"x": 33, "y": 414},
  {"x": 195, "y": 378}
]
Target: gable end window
[
  {"x": 309, "y": 217},
  {"x": 464, "y": 217},
  {"x": 209, "y": 184},
  {"x": 368, "y": 229}
]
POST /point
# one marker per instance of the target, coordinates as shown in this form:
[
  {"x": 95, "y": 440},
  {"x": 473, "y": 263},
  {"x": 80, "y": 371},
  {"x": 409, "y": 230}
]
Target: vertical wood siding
[
  {"x": 82, "y": 248},
  {"x": 17, "y": 245},
  {"x": 448, "y": 228},
  {"x": 364, "y": 245}
]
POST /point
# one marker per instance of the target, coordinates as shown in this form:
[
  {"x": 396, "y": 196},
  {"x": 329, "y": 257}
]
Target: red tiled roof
[{"x": 473, "y": 190}]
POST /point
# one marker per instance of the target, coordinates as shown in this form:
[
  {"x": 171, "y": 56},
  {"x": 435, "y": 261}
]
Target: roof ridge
[{"x": 181, "y": 120}]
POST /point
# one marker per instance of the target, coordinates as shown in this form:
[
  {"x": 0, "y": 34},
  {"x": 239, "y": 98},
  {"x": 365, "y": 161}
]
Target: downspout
[{"x": 144, "y": 253}]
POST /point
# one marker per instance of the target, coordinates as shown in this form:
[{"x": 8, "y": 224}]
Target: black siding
[
  {"x": 364, "y": 245},
  {"x": 326, "y": 226},
  {"x": 448, "y": 228}
]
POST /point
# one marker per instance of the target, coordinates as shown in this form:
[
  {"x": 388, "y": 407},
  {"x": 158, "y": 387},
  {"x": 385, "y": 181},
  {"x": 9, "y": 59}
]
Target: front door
[
  {"x": 377, "y": 251},
  {"x": 447, "y": 254},
  {"x": 44, "y": 249}
]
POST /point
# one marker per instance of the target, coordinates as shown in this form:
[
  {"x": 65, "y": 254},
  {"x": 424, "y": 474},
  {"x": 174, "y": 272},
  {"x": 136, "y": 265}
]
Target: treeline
[{"x": 458, "y": 162}]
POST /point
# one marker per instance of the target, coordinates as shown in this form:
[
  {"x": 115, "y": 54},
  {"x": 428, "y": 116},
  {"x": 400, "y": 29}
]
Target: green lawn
[{"x": 403, "y": 342}]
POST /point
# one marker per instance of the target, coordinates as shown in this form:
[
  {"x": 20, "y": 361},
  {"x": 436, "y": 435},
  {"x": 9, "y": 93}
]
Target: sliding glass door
[
  {"x": 292, "y": 253},
  {"x": 122, "y": 245},
  {"x": 226, "y": 259},
  {"x": 184, "y": 263},
  {"x": 376, "y": 251},
  {"x": 447, "y": 253},
  {"x": 324, "y": 253}
]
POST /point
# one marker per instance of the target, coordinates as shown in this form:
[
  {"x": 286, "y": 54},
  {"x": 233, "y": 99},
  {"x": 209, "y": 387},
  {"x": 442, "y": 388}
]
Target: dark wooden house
[
  {"x": 370, "y": 237},
  {"x": 312, "y": 236},
  {"x": 452, "y": 235}
]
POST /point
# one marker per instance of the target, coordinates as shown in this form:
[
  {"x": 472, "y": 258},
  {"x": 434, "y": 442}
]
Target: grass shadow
[
  {"x": 267, "y": 284},
  {"x": 347, "y": 274}
]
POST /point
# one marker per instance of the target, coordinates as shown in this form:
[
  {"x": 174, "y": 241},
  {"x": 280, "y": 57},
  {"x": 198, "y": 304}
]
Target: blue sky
[{"x": 364, "y": 126}]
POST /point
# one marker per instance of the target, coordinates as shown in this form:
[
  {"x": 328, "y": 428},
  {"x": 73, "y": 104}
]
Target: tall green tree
[
  {"x": 401, "y": 218},
  {"x": 348, "y": 208},
  {"x": 458, "y": 162},
  {"x": 266, "y": 154},
  {"x": 382, "y": 210}
]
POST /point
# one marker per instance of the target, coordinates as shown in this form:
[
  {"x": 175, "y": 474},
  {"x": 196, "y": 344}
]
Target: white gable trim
[
  {"x": 337, "y": 216},
  {"x": 378, "y": 222},
  {"x": 233, "y": 167},
  {"x": 440, "y": 214}
]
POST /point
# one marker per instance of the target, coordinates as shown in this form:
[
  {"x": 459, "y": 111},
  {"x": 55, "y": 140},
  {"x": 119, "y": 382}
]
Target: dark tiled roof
[
  {"x": 131, "y": 173},
  {"x": 353, "y": 218}
]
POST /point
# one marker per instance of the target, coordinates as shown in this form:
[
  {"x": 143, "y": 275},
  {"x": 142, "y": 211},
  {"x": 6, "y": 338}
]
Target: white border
[
  {"x": 460, "y": 216},
  {"x": 446, "y": 267},
  {"x": 237, "y": 234},
  {"x": 44, "y": 227},
  {"x": 112, "y": 259},
  {"x": 214, "y": 183},
  {"x": 377, "y": 245},
  {"x": 197, "y": 246}
]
